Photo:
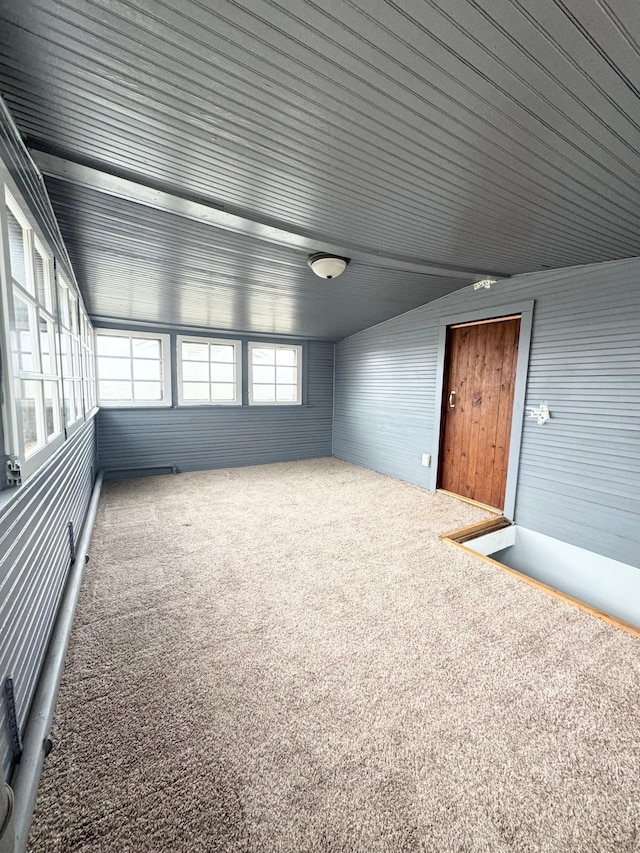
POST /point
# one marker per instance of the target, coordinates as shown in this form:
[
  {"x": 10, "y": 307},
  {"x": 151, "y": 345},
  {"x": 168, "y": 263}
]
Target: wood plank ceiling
[{"x": 433, "y": 141}]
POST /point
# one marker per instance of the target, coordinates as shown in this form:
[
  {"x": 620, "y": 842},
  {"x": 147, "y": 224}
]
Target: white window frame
[
  {"x": 165, "y": 363},
  {"x": 237, "y": 348},
  {"x": 89, "y": 390},
  {"x": 45, "y": 309},
  {"x": 270, "y": 345},
  {"x": 74, "y": 377},
  {"x": 14, "y": 375}
]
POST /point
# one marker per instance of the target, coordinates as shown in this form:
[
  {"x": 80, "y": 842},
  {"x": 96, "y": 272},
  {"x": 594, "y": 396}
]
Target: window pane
[
  {"x": 24, "y": 337},
  {"x": 51, "y": 408},
  {"x": 264, "y": 393},
  {"x": 113, "y": 345},
  {"x": 287, "y": 393},
  {"x": 222, "y": 372},
  {"x": 91, "y": 400},
  {"x": 287, "y": 375},
  {"x": 195, "y": 391},
  {"x": 75, "y": 350},
  {"x": 71, "y": 407},
  {"x": 73, "y": 313},
  {"x": 88, "y": 364},
  {"x": 43, "y": 286},
  {"x": 114, "y": 368},
  {"x": 46, "y": 348},
  {"x": 16, "y": 249},
  {"x": 69, "y": 415},
  {"x": 263, "y": 355},
  {"x": 135, "y": 359},
  {"x": 146, "y": 370},
  {"x": 223, "y": 392},
  {"x": 63, "y": 298},
  {"x": 147, "y": 390},
  {"x": 195, "y": 371},
  {"x": 264, "y": 374},
  {"x": 286, "y": 356},
  {"x": 220, "y": 352},
  {"x": 195, "y": 352},
  {"x": 67, "y": 369},
  {"x": 146, "y": 348},
  {"x": 31, "y": 403},
  {"x": 77, "y": 393},
  {"x": 115, "y": 391}
]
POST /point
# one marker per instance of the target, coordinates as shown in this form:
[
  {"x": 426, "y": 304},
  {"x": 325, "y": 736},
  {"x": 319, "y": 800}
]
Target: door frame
[{"x": 470, "y": 315}]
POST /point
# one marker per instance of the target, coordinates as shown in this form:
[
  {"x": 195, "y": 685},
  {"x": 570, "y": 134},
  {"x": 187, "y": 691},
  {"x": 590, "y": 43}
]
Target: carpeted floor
[{"x": 285, "y": 658}]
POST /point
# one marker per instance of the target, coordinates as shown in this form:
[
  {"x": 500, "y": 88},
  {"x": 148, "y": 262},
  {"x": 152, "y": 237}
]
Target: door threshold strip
[{"x": 471, "y": 501}]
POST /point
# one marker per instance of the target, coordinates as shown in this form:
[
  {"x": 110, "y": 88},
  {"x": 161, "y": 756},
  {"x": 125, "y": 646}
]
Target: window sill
[
  {"x": 102, "y": 405},
  {"x": 209, "y": 405}
]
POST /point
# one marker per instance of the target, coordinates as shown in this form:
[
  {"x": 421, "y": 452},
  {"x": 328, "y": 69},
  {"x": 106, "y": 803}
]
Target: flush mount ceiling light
[{"x": 327, "y": 266}]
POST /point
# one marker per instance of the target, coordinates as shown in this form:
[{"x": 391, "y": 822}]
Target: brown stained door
[{"x": 480, "y": 370}]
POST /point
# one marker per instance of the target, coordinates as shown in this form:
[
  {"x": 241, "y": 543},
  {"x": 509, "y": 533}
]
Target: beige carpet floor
[{"x": 285, "y": 658}]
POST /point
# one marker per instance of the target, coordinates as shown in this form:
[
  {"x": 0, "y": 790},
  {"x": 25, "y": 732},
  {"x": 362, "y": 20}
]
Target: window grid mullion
[
  {"x": 207, "y": 382},
  {"x": 159, "y": 384},
  {"x": 278, "y": 384}
]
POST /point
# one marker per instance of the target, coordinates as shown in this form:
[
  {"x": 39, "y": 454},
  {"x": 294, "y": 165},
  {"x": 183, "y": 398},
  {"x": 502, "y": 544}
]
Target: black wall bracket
[
  {"x": 14, "y": 728},
  {"x": 72, "y": 542}
]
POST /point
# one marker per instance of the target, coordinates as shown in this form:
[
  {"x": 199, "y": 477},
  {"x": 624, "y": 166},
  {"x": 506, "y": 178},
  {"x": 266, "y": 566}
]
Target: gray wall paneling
[
  {"x": 34, "y": 544},
  {"x": 578, "y": 475},
  {"x": 205, "y": 437},
  {"x": 34, "y": 561}
]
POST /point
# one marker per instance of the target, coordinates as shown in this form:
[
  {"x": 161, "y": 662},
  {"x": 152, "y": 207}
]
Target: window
[
  {"x": 88, "y": 362},
  {"x": 39, "y": 341},
  {"x": 275, "y": 374},
  {"x": 36, "y": 393},
  {"x": 209, "y": 372},
  {"x": 132, "y": 368},
  {"x": 70, "y": 353}
]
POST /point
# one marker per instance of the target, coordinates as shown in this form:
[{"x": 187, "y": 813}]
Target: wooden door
[{"x": 480, "y": 370}]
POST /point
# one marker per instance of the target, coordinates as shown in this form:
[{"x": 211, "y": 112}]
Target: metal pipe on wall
[{"x": 36, "y": 736}]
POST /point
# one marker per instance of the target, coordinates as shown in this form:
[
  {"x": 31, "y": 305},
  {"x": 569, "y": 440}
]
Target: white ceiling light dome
[{"x": 327, "y": 266}]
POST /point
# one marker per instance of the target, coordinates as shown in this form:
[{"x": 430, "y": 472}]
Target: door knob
[{"x": 452, "y": 400}]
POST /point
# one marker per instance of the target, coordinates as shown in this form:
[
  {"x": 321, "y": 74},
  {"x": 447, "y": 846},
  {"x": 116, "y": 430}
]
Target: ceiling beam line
[{"x": 170, "y": 201}]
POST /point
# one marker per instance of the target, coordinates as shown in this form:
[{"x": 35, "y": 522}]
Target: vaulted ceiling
[{"x": 197, "y": 152}]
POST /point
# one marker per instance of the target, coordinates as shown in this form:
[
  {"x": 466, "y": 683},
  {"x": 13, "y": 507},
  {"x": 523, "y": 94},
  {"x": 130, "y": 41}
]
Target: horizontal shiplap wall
[
  {"x": 34, "y": 542},
  {"x": 34, "y": 562},
  {"x": 203, "y": 437},
  {"x": 579, "y": 473}
]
